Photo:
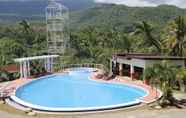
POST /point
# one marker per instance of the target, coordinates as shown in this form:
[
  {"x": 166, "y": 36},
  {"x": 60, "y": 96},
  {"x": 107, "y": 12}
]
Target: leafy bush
[
  {"x": 37, "y": 68},
  {"x": 6, "y": 76}
]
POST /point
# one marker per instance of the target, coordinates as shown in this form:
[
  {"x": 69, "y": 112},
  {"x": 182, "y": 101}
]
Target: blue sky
[{"x": 179, "y": 3}]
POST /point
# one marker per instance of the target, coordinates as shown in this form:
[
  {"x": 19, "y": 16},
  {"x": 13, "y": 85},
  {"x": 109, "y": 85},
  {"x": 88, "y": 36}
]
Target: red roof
[{"x": 10, "y": 68}]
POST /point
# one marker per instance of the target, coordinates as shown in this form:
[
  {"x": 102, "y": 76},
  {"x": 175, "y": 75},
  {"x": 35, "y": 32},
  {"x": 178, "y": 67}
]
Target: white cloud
[
  {"x": 142, "y": 3},
  {"x": 128, "y": 2},
  {"x": 179, "y": 3}
]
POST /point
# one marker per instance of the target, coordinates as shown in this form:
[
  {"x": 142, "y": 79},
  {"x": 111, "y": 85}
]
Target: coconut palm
[
  {"x": 181, "y": 78},
  {"x": 8, "y": 52},
  {"x": 106, "y": 38},
  {"x": 149, "y": 75},
  {"x": 180, "y": 31},
  {"x": 26, "y": 26},
  {"x": 164, "y": 74},
  {"x": 146, "y": 29},
  {"x": 123, "y": 42}
]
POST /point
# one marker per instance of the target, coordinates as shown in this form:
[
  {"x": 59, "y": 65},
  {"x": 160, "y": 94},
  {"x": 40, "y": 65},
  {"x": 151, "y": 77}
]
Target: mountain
[
  {"x": 120, "y": 16},
  {"x": 100, "y": 15},
  {"x": 39, "y": 5},
  {"x": 35, "y": 7},
  {"x": 16, "y": 10}
]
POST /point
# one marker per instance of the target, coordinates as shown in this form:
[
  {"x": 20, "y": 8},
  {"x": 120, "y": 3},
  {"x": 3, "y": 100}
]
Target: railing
[{"x": 62, "y": 67}]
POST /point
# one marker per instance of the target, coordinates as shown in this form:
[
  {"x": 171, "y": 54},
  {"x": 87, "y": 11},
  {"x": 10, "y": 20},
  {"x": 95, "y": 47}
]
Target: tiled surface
[
  {"x": 153, "y": 92},
  {"x": 10, "y": 87}
]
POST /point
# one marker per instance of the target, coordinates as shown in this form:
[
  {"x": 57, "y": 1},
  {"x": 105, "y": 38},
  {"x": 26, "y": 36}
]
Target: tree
[
  {"x": 124, "y": 42},
  {"x": 26, "y": 26},
  {"x": 165, "y": 74},
  {"x": 146, "y": 29},
  {"x": 181, "y": 78},
  {"x": 180, "y": 31},
  {"x": 80, "y": 44},
  {"x": 104, "y": 38},
  {"x": 9, "y": 49}
]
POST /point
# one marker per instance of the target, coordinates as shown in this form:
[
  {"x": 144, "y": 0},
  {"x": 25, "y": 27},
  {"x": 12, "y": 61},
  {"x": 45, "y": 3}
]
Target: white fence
[{"x": 60, "y": 67}]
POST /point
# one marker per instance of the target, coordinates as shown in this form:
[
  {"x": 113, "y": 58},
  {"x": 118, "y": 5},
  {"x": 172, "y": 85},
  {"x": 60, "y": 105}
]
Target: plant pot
[{"x": 147, "y": 82}]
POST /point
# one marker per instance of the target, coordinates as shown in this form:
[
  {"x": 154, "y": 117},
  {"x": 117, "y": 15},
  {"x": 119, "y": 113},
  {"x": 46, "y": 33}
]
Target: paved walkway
[
  {"x": 8, "y": 88},
  {"x": 7, "y": 112}
]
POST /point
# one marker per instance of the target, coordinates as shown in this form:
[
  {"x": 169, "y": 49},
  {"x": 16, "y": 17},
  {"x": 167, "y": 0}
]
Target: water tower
[{"x": 57, "y": 20}]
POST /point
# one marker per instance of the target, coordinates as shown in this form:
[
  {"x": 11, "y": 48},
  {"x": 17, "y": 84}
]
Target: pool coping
[{"x": 77, "y": 109}]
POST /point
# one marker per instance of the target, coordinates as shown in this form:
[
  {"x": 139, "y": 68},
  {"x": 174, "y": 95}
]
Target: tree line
[{"x": 93, "y": 44}]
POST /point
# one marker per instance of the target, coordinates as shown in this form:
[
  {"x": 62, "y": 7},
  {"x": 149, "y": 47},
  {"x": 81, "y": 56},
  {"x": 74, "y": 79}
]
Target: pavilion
[
  {"x": 134, "y": 64},
  {"x": 25, "y": 64}
]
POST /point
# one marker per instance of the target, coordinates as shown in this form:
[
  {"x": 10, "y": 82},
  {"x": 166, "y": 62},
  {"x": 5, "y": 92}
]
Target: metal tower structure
[{"x": 57, "y": 21}]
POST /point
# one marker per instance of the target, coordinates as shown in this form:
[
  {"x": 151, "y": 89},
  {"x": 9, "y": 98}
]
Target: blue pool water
[{"x": 74, "y": 91}]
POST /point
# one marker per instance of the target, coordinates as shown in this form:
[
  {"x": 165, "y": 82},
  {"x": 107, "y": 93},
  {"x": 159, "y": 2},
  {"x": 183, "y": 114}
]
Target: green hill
[
  {"x": 123, "y": 17},
  {"x": 105, "y": 15}
]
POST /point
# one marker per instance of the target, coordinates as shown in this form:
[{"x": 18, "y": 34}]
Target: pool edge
[{"x": 50, "y": 109}]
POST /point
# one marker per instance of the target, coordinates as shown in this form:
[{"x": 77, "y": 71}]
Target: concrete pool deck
[
  {"x": 9, "y": 112},
  {"x": 153, "y": 93}
]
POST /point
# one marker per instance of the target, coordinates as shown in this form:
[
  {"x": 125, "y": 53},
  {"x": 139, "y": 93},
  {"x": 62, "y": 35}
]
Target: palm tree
[
  {"x": 181, "y": 78},
  {"x": 104, "y": 38},
  {"x": 165, "y": 75},
  {"x": 180, "y": 31},
  {"x": 149, "y": 75},
  {"x": 8, "y": 52},
  {"x": 146, "y": 29},
  {"x": 123, "y": 42},
  {"x": 26, "y": 26}
]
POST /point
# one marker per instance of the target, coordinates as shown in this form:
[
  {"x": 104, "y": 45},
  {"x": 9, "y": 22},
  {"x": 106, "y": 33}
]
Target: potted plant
[
  {"x": 148, "y": 75},
  {"x": 147, "y": 81}
]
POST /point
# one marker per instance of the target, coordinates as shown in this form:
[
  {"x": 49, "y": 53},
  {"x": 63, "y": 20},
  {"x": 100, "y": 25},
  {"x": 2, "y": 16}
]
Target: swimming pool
[{"x": 74, "y": 91}]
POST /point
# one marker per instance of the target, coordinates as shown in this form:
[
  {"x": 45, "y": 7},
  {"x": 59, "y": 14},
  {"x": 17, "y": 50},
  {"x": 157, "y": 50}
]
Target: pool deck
[
  {"x": 9, "y": 112},
  {"x": 8, "y": 88},
  {"x": 153, "y": 93}
]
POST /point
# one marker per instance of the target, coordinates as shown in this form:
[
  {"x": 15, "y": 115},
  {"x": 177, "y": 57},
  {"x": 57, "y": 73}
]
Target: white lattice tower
[{"x": 57, "y": 20}]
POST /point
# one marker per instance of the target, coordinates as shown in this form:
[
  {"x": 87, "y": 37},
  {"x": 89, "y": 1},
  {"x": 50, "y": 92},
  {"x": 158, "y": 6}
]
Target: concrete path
[{"x": 8, "y": 112}]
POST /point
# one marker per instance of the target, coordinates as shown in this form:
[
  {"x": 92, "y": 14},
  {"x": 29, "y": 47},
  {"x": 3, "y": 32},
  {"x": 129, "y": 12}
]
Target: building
[
  {"x": 133, "y": 65},
  {"x": 11, "y": 68}
]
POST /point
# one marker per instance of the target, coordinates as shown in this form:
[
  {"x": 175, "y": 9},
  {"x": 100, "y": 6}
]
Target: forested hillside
[
  {"x": 124, "y": 17},
  {"x": 38, "y": 6},
  {"x": 11, "y": 11},
  {"x": 102, "y": 15},
  {"x": 97, "y": 33}
]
